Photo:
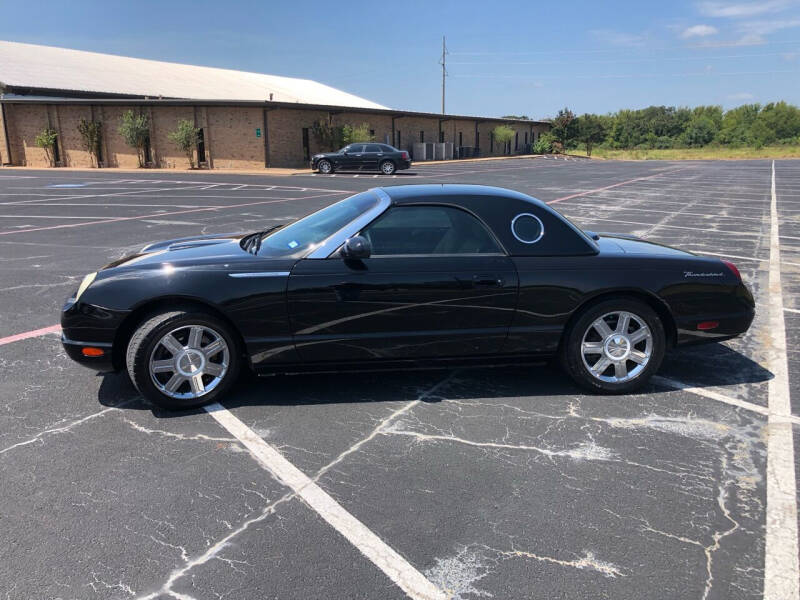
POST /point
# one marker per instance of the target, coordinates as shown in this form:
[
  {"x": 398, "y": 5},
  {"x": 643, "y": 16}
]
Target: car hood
[
  {"x": 196, "y": 250},
  {"x": 618, "y": 243}
]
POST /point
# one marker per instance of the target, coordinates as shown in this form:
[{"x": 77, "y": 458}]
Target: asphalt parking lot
[{"x": 465, "y": 484}]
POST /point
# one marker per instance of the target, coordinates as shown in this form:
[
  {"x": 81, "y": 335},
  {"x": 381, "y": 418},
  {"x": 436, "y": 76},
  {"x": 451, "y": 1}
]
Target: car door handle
[{"x": 487, "y": 281}]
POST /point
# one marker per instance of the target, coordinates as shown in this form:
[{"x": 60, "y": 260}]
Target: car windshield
[{"x": 301, "y": 236}]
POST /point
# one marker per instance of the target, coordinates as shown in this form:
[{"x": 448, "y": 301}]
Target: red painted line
[
  {"x": 613, "y": 185},
  {"x": 163, "y": 214},
  {"x": 17, "y": 337}
]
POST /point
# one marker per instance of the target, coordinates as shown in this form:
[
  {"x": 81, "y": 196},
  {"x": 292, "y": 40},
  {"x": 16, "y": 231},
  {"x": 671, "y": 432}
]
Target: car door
[
  {"x": 353, "y": 158},
  {"x": 437, "y": 284},
  {"x": 371, "y": 157}
]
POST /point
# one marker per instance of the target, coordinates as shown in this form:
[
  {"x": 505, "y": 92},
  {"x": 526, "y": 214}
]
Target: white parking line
[
  {"x": 791, "y": 310},
  {"x": 397, "y": 568},
  {"x": 781, "y": 573},
  {"x": 711, "y": 394}
]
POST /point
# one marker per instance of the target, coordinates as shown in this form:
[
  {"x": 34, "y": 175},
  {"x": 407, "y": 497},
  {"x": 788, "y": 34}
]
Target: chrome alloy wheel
[
  {"x": 387, "y": 167},
  {"x": 324, "y": 167},
  {"x": 189, "y": 362},
  {"x": 617, "y": 347}
]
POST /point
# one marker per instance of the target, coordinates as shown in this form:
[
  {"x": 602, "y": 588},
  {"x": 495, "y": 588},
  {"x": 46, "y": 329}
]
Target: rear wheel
[
  {"x": 387, "y": 167},
  {"x": 325, "y": 167},
  {"x": 614, "y": 346},
  {"x": 182, "y": 359}
]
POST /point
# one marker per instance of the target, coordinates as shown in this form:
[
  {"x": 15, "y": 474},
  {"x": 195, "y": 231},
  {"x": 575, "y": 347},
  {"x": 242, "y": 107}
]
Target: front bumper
[
  {"x": 86, "y": 325},
  {"x": 102, "y": 364}
]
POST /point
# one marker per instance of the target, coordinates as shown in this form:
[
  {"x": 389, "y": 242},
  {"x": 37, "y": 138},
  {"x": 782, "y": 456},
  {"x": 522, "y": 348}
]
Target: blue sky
[{"x": 505, "y": 57}]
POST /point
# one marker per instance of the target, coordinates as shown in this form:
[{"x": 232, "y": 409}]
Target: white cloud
[
  {"x": 618, "y": 38},
  {"x": 738, "y": 10},
  {"x": 699, "y": 31}
]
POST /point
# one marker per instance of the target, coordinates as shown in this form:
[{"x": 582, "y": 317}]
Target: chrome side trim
[
  {"x": 329, "y": 246},
  {"x": 261, "y": 274}
]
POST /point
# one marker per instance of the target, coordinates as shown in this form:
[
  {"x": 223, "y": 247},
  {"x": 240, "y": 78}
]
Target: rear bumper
[{"x": 730, "y": 326}]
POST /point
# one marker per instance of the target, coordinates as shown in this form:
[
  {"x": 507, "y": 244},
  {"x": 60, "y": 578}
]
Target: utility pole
[{"x": 444, "y": 69}]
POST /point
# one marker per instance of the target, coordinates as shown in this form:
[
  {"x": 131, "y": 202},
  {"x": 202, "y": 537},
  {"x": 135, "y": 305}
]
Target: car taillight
[
  {"x": 733, "y": 269},
  {"x": 404, "y": 155}
]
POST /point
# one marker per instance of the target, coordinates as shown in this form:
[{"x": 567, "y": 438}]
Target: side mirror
[{"x": 356, "y": 247}]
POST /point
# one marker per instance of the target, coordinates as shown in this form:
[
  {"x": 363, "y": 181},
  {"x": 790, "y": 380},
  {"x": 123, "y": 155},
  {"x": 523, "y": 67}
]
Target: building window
[
  {"x": 399, "y": 139},
  {"x": 516, "y": 141},
  {"x": 201, "y": 146},
  {"x": 441, "y": 137},
  {"x": 460, "y": 139},
  {"x": 491, "y": 141},
  {"x": 421, "y": 136},
  {"x": 372, "y": 133},
  {"x": 306, "y": 149},
  {"x": 526, "y": 138}
]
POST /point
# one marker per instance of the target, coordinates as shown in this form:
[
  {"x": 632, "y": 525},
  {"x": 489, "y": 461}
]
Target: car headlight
[{"x": 87, "y": 281}]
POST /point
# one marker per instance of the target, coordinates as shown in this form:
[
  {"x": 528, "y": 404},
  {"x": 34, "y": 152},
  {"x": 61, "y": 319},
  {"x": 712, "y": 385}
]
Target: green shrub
[
  {"x": 47, "y": 140},
  {"x": 135, "y": 130},
  {"x": 356, "y": 133},
  {"x": 544, "y": 145},
  {"x": 186, "y": 137},
  {"x": 91, "y": 132},
  {"x": 503, "y": 134}
]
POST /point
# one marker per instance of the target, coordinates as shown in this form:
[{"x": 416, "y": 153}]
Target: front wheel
[
  {"x": 614, "y": 347},
  {"x": 325, "y": 167},
  {"x": 387, "y": 167},
  {"x": 182, "y": 359}
]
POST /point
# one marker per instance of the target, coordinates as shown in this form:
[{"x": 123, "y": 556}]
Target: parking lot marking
[
  {"x": 163, "y": 214},
  {"x": 18, "y": 337},
  {"x": 614, "y": 185},
  {"x": 781, "y": 573},
  {"x": 791, "y": 310},
  {"x": 397, "y": 568},
  {"x": 701, "y": 391}
]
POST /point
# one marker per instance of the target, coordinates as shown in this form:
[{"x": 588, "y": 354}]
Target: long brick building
[{"x": 246, "y": 120}]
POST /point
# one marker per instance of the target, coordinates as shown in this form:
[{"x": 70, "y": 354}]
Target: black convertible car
[
  {"x": 406, "y": 276},
  {"x": 363, "y": 156}
]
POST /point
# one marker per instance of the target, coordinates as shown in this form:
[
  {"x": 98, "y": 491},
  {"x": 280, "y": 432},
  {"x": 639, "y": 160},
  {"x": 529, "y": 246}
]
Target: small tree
[
  {"x": 47, "y": 140},
  {"x": 135, "y": 130},
  {"x": 357, "y": 133},
  {"x": 186, "y": 137},
  {"x": 561, "y": 127},
  {"x": 327, "y": 136},
  {"x": 90, "y": 133},
  {"x": 590, "y": 130},
  {"x": 503, "y": 134}
]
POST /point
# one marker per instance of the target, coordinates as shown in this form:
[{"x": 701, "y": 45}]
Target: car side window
[
  {"x": 373, "y": 148},
  {"x": 357, "y": 148},
  {"x": 429, "y": 230}
]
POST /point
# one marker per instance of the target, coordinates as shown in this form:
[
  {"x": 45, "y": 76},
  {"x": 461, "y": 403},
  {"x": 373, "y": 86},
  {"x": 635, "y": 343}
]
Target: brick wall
[
  {"x": 230, "y": 135},
  {"x": 233, "y": 137}
]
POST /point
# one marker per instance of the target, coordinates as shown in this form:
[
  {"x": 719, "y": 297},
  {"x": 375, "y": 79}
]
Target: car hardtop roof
[{"x": 429, "y": 191}]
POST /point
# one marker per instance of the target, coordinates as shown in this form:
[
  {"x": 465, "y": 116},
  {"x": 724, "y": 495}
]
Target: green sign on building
[{"x": 258, "y": 131}]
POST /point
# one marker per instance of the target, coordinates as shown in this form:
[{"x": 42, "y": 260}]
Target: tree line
[{"x": 659, "y": 127}]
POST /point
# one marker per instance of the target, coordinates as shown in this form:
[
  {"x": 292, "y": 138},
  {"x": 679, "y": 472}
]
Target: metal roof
[{"x": 34, "y": 67}]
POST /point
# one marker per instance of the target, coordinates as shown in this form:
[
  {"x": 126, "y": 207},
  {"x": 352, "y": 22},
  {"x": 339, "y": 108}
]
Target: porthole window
[{"x": 527, "y": 228}]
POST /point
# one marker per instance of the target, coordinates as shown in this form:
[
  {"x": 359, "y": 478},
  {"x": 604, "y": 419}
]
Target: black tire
[
  {"x": 387, "y": 167},
  {"x": 325, "y": 167},
  {"x": 571, "y": 351},
  {"x": 147, "y": 337}
]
